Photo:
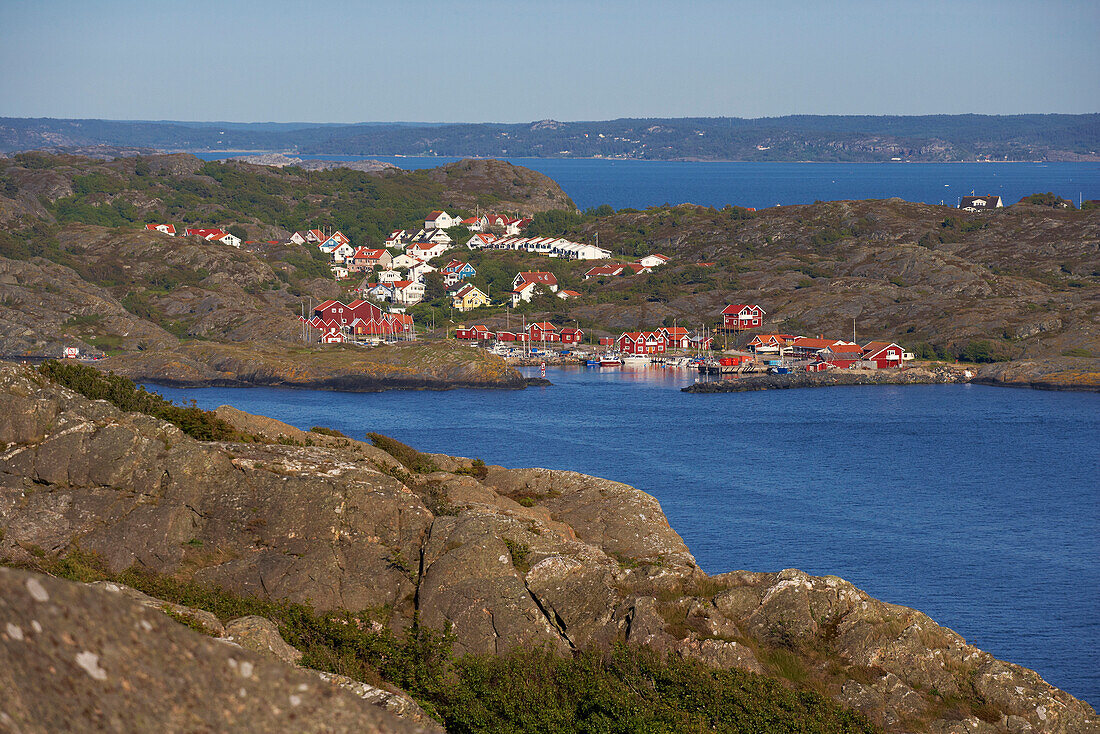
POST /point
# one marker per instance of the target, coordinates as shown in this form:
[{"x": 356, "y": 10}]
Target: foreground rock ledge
[
  {"x": 509, "y": 558},
  {"x": 78, "y": 658}
]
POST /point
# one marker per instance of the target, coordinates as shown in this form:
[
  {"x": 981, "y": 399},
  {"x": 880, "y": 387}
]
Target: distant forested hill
[{"x": 793, "y": 138}]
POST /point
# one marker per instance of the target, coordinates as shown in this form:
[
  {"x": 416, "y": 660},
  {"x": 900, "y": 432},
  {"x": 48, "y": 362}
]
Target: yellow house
[{"x": 468, "y": 297}]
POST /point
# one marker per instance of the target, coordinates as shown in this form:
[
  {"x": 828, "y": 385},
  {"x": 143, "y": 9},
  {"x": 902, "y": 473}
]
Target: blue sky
[{"x": 327, "y": 61}]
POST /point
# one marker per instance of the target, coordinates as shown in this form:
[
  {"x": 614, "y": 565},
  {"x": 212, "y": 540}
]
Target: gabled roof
[
  {"x": 571, "y": 294},
  {"x": 326, "y": 304},
  {"x": 739, "y": 307},
  {"x": 169, "y": 228},
  {"x": 538, "y": 276},
  {"x": 675, "y": 330},
  {"x": 870, "y": 349},
  {"x": 369, "y": 253},
  {"x": 543, "y": 326},
  {"x": 571, "y": 330},
  {"x": 991, "y": 202},
  {"x": 432, "y": 216},
  {"x": 804, "y": 342},
  {"x": 206, "y": 232},
  {"x": 605, "y": 270}
]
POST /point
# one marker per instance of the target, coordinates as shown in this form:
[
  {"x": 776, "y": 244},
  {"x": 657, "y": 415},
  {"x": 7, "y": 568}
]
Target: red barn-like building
[
  {"x": 884, "y": 354},
  {"x": 741, "y": 316},
  {"x": 641, "y": 342}
]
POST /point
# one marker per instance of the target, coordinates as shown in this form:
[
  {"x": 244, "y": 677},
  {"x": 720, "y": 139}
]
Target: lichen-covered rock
[
  {"x": 78, "y": 658},
  {"x": 200, "y": 619},
  {"x": 260, "y": 635}
]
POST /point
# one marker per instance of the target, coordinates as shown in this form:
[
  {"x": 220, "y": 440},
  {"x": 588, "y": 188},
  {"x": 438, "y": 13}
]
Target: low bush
[
  {"x": 409, "y": 457},
  {"x": 327, "y": 432},
  {"x": 202, "y": 424}
]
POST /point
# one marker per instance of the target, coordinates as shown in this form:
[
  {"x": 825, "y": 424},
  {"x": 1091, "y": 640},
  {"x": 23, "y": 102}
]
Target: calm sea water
[
  {"x": 640, "y": 184},
  {"x": 977, "y": 505}
]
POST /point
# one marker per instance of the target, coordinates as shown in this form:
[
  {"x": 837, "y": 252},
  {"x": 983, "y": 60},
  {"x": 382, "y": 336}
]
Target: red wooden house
[
  {"x": 676, "y": 337},
  {"x": 543, "y": 331},
  {"x": 569, "y": 335},
  {"x": 641, "y": 342},
  {"x": 883, "y": 354},
  {"x": 478, "y": 332},
  {"x": 742, "y": 316}
]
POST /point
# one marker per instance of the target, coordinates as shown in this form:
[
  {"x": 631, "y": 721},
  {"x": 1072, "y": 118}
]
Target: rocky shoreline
[
  {"x": 511, "y": 558},
  {"x": 1069, "y": 374},
  {"x": 417, "y": 365},
  {"x": 834, "y": 378}
]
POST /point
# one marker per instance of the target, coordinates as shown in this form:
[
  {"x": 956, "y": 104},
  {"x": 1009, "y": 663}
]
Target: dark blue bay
[
  {"x": 639, "y": 184},
  {"x": 977, "y": 505}
]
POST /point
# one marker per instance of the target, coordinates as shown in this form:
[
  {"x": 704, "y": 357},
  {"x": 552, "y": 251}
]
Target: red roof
[
  {"x": 739, "y": 307},
  {"x": 401, "y": 284},
  {"x": 573, "y": 294},
  {"x": 169, "y": 228},
  {"x": 605, "y": 270},
  {"x": 326, "y": 304},
  {"x": 872, "y": 349},
  {"x": 675, "y": 331},
  {"x": 804, "y": 342},
  {"x": 539, "y": 276},
  {"x": 543, "y": 326},
  {"x": 369, "y": 254},
  {"x": 432, "y": 216},
  {"x": 207, "y": 232}
]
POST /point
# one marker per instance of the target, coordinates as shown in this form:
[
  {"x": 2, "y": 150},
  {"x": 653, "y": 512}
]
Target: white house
[
  {"x": 168, "y": 229},
  {"x": 439, "y": 220},
  {"x": 425, "y": 250},
  {"x": 528, "y": 284},
  {"x": 403, "y": 262},
  {"x": 406, "y": 292},
  {"x": 652, "y": 261},
  {"x": 298, "y": 238},
  {"x": 229, "y": 239},
  {"x": 398, "y": 238},
  {"x": 480, "y": 241},
  {"x": 338, "y": 252},
  {"x": 980, "y": 203},
  {"x": 339, "y": 272},
  {"x": 417, "y": 272},
  {"x": 389, "y": 276},
  {"x": 437, "y": 236},
  {"x": 476, "y": 224}
]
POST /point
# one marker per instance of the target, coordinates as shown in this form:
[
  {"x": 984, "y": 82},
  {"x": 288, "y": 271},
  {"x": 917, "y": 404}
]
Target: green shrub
[
  {"x": 409, "y": 457},
  {"x": 327, "y": 432},
  {"x": 202, "y": 424}
]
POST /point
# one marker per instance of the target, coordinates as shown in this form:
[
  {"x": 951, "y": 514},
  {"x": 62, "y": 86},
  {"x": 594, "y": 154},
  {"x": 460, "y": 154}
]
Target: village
[{"x": 397, "y": 276}]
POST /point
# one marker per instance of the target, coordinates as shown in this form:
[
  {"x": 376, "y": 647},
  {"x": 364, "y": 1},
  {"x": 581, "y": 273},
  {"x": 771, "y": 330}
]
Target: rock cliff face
[{"x": 508, "y": 557}]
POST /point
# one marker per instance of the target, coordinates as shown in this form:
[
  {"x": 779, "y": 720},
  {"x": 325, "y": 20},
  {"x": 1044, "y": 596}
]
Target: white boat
[{"x": 635, "y": 359}]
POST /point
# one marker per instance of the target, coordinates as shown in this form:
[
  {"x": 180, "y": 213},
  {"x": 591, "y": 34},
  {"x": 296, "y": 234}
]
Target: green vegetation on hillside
[
  {"x": 623, "y": 690},
  {"x": 125, "y": 395}
]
